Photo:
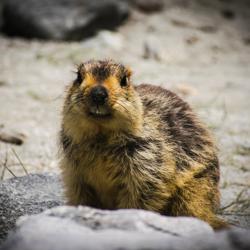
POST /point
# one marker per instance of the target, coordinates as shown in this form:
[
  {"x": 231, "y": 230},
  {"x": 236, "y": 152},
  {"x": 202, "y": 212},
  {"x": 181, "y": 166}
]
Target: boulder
[
  {"x": 62, "y": 19},
  {"x": 79, "y": 228},
  {"x": 30, "y": 194}
]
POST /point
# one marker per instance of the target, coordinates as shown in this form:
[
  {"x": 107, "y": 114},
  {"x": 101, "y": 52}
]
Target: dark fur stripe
[
  {"x": 65, "y": 140},
  {"x": 211, "y": 170}
]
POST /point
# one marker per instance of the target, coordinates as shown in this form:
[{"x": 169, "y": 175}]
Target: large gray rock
[
  {"x": 65, "y": 228},
  {"x": 30, "y": 194},
  {"x": 62, "y": 19},
  {"x": 86, "y": 228}
]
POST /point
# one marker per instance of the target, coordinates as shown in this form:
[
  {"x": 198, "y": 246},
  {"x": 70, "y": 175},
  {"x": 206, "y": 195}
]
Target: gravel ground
[{"x": 200, "y": 51}]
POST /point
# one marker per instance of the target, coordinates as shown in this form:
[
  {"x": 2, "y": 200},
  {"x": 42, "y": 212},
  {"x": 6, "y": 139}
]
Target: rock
[
  {"x": 149, "y": 5},
  {"x": 30, "y": 194},
  {"x": 64, "y": 228},
  {"x": 105, "y": 39},
  {"x": 86, "y": 228},
  {"x": 1, "y": 15},
  {"x": 12, "y": 137},
  {"x": 62, "y": 19},
  {"x": 80, "y": 227},
  {"x": 228, "y": 14},
  {"x": 151, "y": 51}
]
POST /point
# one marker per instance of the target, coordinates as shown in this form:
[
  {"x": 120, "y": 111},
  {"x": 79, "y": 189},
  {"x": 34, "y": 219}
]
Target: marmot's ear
[
  {"x": 79, "y": 74},
  {"x": 78, "y": 79},
  {"x": 128, "y": 72},
  {"x": 125, "y": 80}
]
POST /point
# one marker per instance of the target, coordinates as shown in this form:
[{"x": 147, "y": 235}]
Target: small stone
[
  {"x": 228, "y": 14},
  {"x": 208, "y": 29},
  {"x": 149, "y": 5},
  {"x": 192, "y": 40},
  {"x": 246, "y": 41},
  {"x": 151, "y": 52},
  {"x": 12, "y": 137},
  {"x": 111, "y": 39}
]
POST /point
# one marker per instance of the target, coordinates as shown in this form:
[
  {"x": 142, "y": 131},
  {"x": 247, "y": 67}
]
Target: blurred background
[{"x": 199, "y": 49}]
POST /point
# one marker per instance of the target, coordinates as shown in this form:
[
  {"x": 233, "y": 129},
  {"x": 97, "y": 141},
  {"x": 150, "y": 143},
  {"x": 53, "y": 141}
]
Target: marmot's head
[{"x": 103, "y": 97}]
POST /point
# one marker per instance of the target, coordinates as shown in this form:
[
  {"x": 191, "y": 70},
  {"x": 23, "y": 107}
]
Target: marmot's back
[{"x": 179, "y": 126}]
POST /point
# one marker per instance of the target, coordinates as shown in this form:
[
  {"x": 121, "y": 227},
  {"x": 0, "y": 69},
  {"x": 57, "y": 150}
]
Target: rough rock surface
[
  {"x": 86, "y": 228},
  {"x": 76, "y": 228},
  {"x": 30, "y": 194},
  {"x": 62, "y": 19}
]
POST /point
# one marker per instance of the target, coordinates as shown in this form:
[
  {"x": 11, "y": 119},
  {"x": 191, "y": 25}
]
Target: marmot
[{"x": 126, "y": 146}]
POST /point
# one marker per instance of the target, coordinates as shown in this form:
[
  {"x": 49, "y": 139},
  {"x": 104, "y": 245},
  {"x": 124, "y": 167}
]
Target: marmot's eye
[
  {"x": 78, "y": 79},
  {"x": 124, "y": 81}
]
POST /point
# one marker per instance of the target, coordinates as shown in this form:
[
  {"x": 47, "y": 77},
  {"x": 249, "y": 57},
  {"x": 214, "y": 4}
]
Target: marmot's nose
[{"x": 99, "y": 95}]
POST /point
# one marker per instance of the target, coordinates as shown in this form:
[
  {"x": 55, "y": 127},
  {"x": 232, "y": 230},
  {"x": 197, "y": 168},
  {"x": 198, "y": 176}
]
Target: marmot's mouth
[{"x": 99, "y": 112}]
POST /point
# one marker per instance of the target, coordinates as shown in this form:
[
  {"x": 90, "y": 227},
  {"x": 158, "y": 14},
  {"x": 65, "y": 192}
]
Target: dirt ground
[{"x": 202, "y": 52}]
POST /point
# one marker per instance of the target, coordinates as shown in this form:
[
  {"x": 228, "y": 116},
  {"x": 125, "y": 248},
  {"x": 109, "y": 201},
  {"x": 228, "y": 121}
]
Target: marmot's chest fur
[{"x": 135, "y": 147}]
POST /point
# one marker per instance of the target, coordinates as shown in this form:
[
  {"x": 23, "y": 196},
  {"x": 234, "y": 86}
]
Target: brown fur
[{"x": 151, "y": 152}]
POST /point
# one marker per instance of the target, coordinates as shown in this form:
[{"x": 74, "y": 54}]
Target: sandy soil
[{"x": 194, "y": 51}]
